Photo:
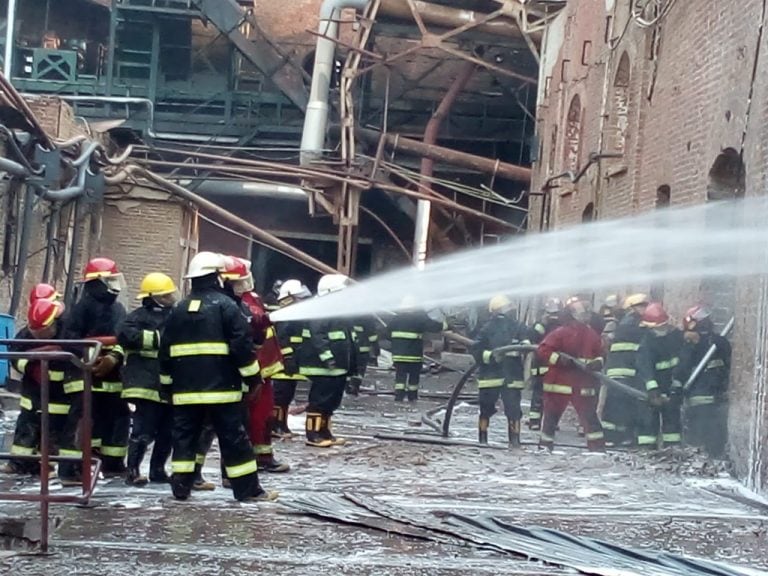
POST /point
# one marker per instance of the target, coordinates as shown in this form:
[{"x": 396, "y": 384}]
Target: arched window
[
  {"x": 620, "y": 112},
  {"x": 588, "y": 215},
  {"x": 663, "y": 196},
  {"x": 726, "y": 176},
  {"x": 573, "y": 135}
]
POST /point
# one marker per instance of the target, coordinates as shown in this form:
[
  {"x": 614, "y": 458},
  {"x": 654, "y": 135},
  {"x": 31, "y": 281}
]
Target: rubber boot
[
  {"x": 159, "y": 476},
  {"x": 514, "y": 433},
  {"x": 200, "y": 483},
  {"x": 313, "y": 431},
  {"x": 399, "y": 394},
  {"x": 482, "y": 429},
  {"x": 413, "y": 395},
  {"x": 353, "y": 386},
  {"x": 280, "y": 423},
  {"x": 136, "y": 451},
  {"x": 267, "y": 463},
  {"x": 326, "y": 432}
]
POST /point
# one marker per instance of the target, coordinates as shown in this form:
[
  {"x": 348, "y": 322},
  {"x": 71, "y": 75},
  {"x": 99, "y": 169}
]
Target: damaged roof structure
[{"x": 341, "y": 126}]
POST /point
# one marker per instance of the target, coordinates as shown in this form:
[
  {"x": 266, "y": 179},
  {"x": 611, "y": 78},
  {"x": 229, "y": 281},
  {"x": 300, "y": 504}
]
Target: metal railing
[{"x": 90, "y": 466}]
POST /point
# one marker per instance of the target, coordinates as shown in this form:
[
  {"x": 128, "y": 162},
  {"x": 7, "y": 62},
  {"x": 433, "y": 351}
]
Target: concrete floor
[{"x": 670, "y": 501}]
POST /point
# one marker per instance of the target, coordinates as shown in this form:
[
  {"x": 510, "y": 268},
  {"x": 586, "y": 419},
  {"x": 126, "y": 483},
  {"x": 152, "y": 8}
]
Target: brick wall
[{"x": 685, "y": 100}]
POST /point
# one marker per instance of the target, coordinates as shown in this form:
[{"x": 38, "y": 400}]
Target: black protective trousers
[
  {"x": 326, "y": 393},
  {"x": 284, "y": 391},
  {"x": 510, "y": 397},
  {"x": 407, "y": 379},
  {"x": 111, "y": 424},
  {"x": 236, "y": 449},
  {"x": 151, "y": 422},
  {"x": 706, "y": 426},
  {"x": 26, "y": 438}
]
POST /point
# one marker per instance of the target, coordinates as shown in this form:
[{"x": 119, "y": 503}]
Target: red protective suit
[
  {"x": 565, "y": 383},
  {"x": 271, "y": 362}
]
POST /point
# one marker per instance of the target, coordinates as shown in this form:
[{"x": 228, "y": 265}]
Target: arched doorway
[{"x": 588, "y": 214}]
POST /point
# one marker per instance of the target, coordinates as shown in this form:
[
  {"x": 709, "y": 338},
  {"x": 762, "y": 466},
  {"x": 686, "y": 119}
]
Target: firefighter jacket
[
  {"x": 711, "y": 387},
  {"x": 329, "y": 350},
  {"x": 264, "y": 335},
  {"x": 94, "y": 316},
  {"x": 657, "y": 362},
  {"x": 139, "y": 336},
  {"x": 31, "y": 378},
  {"x": 206, "y": 349},
  {"x": 500, "y": 331},
  {"x": 580, "y": 342},
  {"x": 366, "y": 337},
  {"x": 406, "y": 333},
  {"x": 538, "y": 333},
  {"x": 621, "y": 363},
  {"x": 293, "y": 336}
]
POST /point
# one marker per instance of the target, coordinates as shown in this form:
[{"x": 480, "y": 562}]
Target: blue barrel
[{"x": 6, "y": 331}]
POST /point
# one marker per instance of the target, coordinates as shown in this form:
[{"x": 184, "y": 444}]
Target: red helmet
[
  {"x": 43, "y": 292},
  {"x": 654, "y": 316},
  {"x": 236, "y": 269},
  {"x": 100, "y": 268},
  {"x": 697, "y": 317},
  {"x": 43, "y": 313}
]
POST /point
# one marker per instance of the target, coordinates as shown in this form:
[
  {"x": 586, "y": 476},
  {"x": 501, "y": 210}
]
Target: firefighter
[
  {"x": 271, "y": 300},
  {"x": 328, "y": 360},
  {"x": 657, "y": 361},
  {"x": 566, "y": 383},
  {"x": 706, "y": 400},
  {"x": 240, "y": 281},
  {"x": 97, "y": 315},
  {"x": 620, "y": 412},
  {"x": 43, "y": 292},
  {"x": 206, "y": 352},
  {"x": 550, "y": 320},
  {"x": 367, "y": 344},
  {"x": 43, "y": 323},
  {"x": 291, "y": 336},
  {"x": 502, "y": 376},
  {"x": 611, "y": 313},
  {"x": 152, "y": 418},
  {"x": 406, "y": 334}
]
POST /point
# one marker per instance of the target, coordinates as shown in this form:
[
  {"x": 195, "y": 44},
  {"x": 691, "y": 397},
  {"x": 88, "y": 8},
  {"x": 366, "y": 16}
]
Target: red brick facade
[{"x": 682, "y": 104}]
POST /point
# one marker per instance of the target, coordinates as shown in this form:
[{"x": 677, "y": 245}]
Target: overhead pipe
[
  {"x": 78, "y": 188},
  {"x": 239, "y": 188},
  {"x": 316, "y": 118},
  {"x": 448, "y": 17},
  {"x": 424, "y": 207},
  {"x": 396, "y": 142}
]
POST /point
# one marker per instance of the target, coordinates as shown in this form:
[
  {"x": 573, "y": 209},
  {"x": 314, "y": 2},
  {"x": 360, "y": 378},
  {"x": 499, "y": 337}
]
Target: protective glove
[
  {"x": 692, "y": 337},
  {"x": 331, "y": 364},
  {"x": 565, "y": 362},
  {"x": 104, "y": 365},
  {"x": 595, "y": 365},
  {"x": 657, "y": 400}
]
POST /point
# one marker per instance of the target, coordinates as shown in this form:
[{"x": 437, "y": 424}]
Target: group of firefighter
[
  {"x": 632, "y": 376},
  {"x": 177, "y": 373}
]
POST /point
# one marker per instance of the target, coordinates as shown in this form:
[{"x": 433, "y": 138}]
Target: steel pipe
[
  {"x": 316, "y": 119},
  {"x": 481, "y": 164}
]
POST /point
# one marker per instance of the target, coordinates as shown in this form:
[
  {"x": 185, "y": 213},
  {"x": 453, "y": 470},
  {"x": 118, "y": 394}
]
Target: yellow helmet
[
  {"x": 636, "y": 300},
  {"x": 156, "y": 284},
  {"x": 499, "y": 303}
]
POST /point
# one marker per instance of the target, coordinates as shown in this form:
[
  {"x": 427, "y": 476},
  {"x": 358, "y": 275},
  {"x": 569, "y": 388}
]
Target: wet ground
[{"x": 676, "y": 502}]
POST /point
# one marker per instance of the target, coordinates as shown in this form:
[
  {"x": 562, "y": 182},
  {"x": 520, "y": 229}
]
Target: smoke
[{"x": 714, "y": 240}]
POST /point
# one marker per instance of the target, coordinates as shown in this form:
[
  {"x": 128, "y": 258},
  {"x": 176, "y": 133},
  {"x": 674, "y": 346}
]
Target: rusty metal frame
[{"x": 90, "y": 465}]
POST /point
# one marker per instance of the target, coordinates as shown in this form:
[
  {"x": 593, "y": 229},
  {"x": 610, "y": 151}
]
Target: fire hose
[
  {"x": 527, "y": 349},
  {"x": 707, "y": 357}
]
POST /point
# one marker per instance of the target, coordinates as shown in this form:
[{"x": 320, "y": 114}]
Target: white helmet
[
  {"x": 332, "y": 283},
  {"x": 205, "y": 263},
  {"x": 293, "y": 289}
]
